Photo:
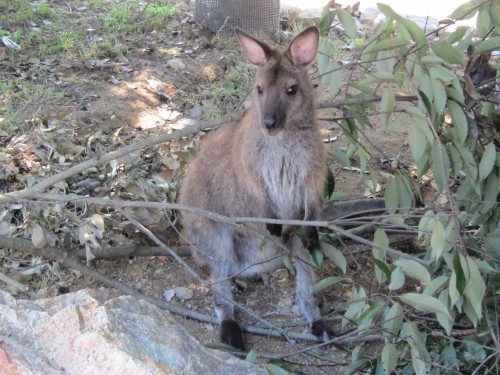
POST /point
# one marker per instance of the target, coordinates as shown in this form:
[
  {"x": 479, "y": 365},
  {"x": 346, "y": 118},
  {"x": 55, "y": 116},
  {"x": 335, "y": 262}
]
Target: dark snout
[
  {"x": 270, "y": 121},
  {"x": 272, "y": 115}
]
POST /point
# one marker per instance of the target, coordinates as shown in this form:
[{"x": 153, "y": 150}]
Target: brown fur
[
  {"x": 269, "y": 164},
  {"x": 481, "y": 72}
]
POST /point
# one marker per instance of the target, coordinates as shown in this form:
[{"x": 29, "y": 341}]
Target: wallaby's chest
[{"x": 284, "y": 169}]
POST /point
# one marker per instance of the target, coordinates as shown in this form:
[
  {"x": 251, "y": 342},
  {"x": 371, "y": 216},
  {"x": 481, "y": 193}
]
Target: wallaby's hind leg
[
  {"x": 305, "y": 283},
  {"x": 214, "y": 245},
  {"x": 230, "y": 331}
]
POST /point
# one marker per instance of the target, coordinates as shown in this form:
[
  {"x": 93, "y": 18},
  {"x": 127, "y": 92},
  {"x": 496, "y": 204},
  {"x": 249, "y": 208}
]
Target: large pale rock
[{"x": 98, "y": 332}]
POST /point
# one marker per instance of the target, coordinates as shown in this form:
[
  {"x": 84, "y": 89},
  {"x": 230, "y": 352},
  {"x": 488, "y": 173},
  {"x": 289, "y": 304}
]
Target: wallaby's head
[
  {"x": 479, "y": 69},
  {"x": 282, "y": 93}
]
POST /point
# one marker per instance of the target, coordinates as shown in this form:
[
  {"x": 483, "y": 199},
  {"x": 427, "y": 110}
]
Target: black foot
[
  {"x": 231, "y": 334},
  {"x": 321, "y": 330},
  {"x": 274, "y": 229}
]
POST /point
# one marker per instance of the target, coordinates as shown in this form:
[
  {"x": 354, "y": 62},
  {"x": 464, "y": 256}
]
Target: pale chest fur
[{"x": 284, "y": 172}]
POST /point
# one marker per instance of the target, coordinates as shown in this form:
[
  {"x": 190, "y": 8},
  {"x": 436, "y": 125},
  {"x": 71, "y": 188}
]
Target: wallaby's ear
[
  {"x": 257, "y": 52},
  {"x": 304, "y": 46}
]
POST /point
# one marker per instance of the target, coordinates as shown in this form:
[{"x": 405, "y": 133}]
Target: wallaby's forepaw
[
  {"x": 311, "y": 238},
  {"x": 274, "y": 229},
  {"x": 321, "y": 330},
  {"x": 231, "y": 334}
]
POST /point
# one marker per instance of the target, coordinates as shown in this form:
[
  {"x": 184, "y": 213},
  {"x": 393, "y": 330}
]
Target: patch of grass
[
  {"x": 63, "y": 41},
  {"x": 157, "y": 14},
  {"x": 22, "y": 96},
  {"x": 21, "y": 11},
  {"x": 121, "y": 17},
  {"x": 108, "y": 46},
  {"x": 132, "y": 17},
  {"x": 228, "y": 96}
]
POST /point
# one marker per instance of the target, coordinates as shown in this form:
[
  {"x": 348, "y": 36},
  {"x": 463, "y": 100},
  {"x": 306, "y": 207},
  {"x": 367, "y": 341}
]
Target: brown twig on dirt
[
  {"x": 113, "y": 155},
  {"x": 18, "y": 286}
]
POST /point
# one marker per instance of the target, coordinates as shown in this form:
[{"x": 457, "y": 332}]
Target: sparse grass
[
  {"x": 228, "y": 96},
  {"x": 22, "y": 96},
  {"x": 110, "y": 29},
  {"x": 132, "y": 17}
]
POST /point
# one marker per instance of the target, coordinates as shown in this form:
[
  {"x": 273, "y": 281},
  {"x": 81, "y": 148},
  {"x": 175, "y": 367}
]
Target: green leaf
[
  {"x": 487, "y": 161},
  {"x": 432, "y": 60},
  {"x": 389, "y": 358},
  {"x": 443, "y": 74},
  {"x": 459, "y": 120},
  {"x": 370, "y": 314},
  {"x": 424, "y": 303},
  {"x": 488, "y": 45},
  {"x": 419, "y": 144},
  {"x": 475, "y": 289},
  {"x": 355, "y": 308},
  {"x": 474, "y": 352},
  {"x": 457, "y": 34},
  {"x": 441, "y": 164},
  {"x": 288, "y": 264},
  {"x": 425, "y": 224},
  {"x": 390, "y": 43},
  {"x": 383, "y": 267},
  {"x": 465, "y": 11},
  {"x": 435, "y": 285},
  {"x": 420, "y": 357},
  {"x": 392, "y": 196},
  {"x": 420, "y": 122},
  {"x": 336, "y": 256},
  {"x": 447, "y": 52},
  {"x": 275, "y": 370},
  {"x": 460, "y": 279},
  {"x": 251, "y": 356},
  {"x": 397, "y": 279},
  {"x": 414, "y": 270},
  {"x": 446, "y": 321},
  {"x": 415, "y": 31},
  {"x": 348, "y": 22},
  {"x": 387, "y": 106},
  {"x": 341, "y": 157},
  {"x": 448, "y": 357},
  {"x": 392, "y": 320},
  {"x": 317, "y": 257},
  {"x": 329, "y": 183},
  {"x": 388, "y": 11},
  {"x": 426, "y": 85},
  {"x": 437, "y": 241},
  {"x": 326, "y": 282},
  {"x": 439, "y": 96},
  {"x": 327, "y": 17},
  {"x": 483, "y": 22}
]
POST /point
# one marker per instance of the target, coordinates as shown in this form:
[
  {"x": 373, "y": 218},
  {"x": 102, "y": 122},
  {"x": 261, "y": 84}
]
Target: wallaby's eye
[
  {"x": 292, "y": 90},
  {"x": 260, "y": 90}
]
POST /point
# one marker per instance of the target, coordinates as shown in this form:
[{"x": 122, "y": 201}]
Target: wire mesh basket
[{"x": 250, "y": 15}]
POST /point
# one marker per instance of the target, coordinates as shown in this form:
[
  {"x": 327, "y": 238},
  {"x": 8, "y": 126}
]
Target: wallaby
[
  {"x": 269, "y": 164},
  {"x": 481, "y": 72}
]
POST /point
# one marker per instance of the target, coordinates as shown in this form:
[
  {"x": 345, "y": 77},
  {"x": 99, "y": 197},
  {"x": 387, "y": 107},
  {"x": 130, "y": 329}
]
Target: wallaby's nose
[{"x": 270, "y": 121}]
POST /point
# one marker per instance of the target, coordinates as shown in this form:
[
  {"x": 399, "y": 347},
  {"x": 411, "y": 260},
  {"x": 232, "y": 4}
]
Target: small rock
[
  {"x": 280, "y": 274},
  {"x": 176, "y": 64},
  {"x": 168, "y": 294},
  {"x": 183, "y": 293}
]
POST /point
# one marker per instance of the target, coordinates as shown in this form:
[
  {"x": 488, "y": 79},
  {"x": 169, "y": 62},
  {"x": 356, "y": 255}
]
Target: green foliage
[{"x": 454, "y": 135}]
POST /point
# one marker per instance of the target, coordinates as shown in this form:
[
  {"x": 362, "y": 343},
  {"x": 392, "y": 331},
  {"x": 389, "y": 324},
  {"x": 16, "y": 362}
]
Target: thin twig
[
  {"x": 18, "y": 286},
  {"x": 222, "y": 218}
]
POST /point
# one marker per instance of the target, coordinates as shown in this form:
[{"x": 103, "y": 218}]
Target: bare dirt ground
[{"x": 114, "y": 100}]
